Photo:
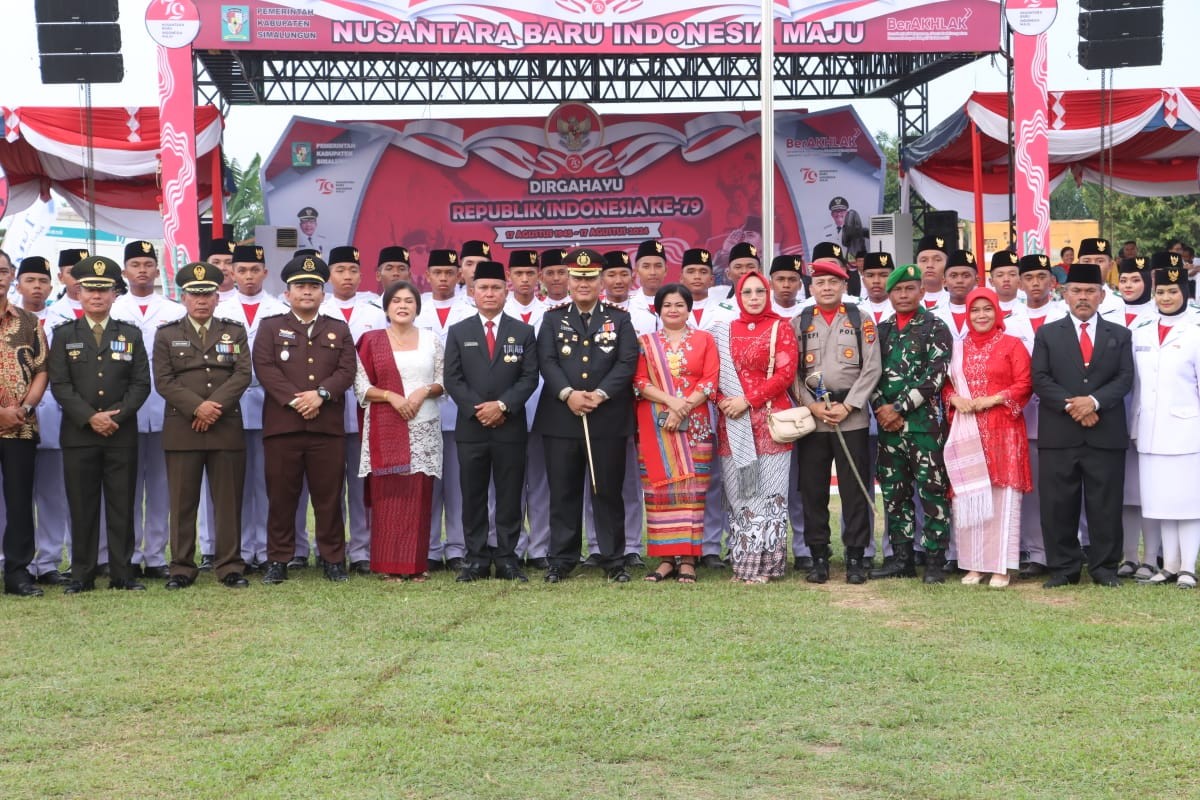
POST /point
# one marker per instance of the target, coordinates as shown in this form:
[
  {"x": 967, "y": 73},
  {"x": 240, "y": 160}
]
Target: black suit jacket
[
  {"x": 1058, "y": 373},
  {"x": 472, "y": 378},
  {"x": 601, "y": 355},
  {"x": 85, "y": 379}
]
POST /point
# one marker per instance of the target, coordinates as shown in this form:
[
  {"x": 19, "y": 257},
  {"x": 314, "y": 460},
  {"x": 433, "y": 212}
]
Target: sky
[{"x": 255, "y": 129}]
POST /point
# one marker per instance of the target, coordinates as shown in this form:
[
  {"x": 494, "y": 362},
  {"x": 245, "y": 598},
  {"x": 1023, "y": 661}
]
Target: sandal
[
  {"x": 1186, "y": 580},
  {"x": 1144, "y": 572},
  {"x": 420, "y": 577},
  {"x": 390, "y": 578},
  {"x": 1127, "y": 569},
  {"x": 687, "y": 577},
  {"x": 658, "y": 576},
  {"x": 1162, "y": 576},
  {"x": 998, "y": 580}
]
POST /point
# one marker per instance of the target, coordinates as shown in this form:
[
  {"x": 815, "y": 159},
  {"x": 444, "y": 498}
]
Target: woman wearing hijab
[
  {"x": 1134, "y": 286},
  {"x": 1166, "y": 423},
  {"x": 753, "y": 383},
  {"x": 677, "y": 371},
  {"x": 987, "y": 453}
]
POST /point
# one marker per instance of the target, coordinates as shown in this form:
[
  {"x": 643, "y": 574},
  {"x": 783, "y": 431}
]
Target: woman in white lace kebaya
[{"x": 399, "y": 377}]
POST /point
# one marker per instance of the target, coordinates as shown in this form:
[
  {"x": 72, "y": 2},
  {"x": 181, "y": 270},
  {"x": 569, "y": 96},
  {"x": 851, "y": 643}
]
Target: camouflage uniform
[{"x": 916, "y": 362}]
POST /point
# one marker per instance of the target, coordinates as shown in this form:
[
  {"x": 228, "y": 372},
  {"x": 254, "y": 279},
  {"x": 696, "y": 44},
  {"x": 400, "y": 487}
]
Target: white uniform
[
  {"x": 250, "y": 310},
  {"x": 638, "y": 305},
  {"x": 932, "y": 300},
  {"x": 1165, "y": 426},
  {"x": 361, "y": 316},
  {"x": 52, "y": 533},
  {"x": 151, "y": 500},
  {"x": 534, "y": 541},
  {"x": 1032, "y": 541},
  {"x": 438, "y": 316},
  {"x": 878, "y": 311}
]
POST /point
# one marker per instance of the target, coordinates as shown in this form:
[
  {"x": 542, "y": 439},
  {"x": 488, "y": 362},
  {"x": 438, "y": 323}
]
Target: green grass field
[{"x": 497, "y": 690}]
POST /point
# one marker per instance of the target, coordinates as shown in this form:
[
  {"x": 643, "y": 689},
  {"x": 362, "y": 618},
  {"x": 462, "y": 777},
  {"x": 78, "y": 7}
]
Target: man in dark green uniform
[
  {"x": 915, "y": 346},
  {"x": 100, "y": 375}
]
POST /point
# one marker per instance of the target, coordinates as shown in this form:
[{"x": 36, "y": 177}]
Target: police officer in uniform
[
  {"x": 588, "y": 354},
  {"x": 840, "y": 359},
  {"x": 305, "y": 362},
  {"x": 100, "y": 375},
  {"x": 201, "y": 369}
]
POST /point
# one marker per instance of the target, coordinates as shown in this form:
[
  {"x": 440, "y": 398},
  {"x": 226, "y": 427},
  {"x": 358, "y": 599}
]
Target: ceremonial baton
[
  {"x": 816, "y": 383},
  {"x": 587, "y": 441}
]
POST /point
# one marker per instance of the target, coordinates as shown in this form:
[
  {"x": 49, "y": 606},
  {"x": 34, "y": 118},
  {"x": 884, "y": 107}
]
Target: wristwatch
[
  {"x": 323, "y": 393},
  {"x": 503, "y": 408},
  {"x": 28, "y": 409}
]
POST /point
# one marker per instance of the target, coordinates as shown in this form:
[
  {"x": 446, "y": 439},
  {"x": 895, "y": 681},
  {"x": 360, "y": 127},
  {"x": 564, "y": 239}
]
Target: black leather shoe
[
  {"x": 1111, "y": 581},
  {"x": 455, "y": 564},
  {"x": 335, "y": 571},
  {"x": 820, "y": 568},
  {"x": 918, "y": 557},
  {"x": 176, "y": 582},
  {"x": 591, "y": 562},
  {"x": 298, "y": 563},
  {"x": 52, "y": 578},
  {"x": 127, "y": 586},
  {"x": 934, "y": 563},
  {"x": 156, "y": 573},
  {"x": 618, "y": 575},
  {"x": 951, "y": 566},
  {"x": 634, "y": 561},
  {"x": 24, "y": 589},
  {"x": 274, "y": 572},
  {"x": 467, "y": 575},
  {"x": 713, "y": 561},
  {"x": 802, "y": 563},
  {"x": 1061, "y": 580},
  {"x": 361, "y": 568},
  {"x": 1032, "y": 570},
  {"x": 538, "y": 563},
  {"x": 253, "y": 567},
  {"x": 78, "y": 587},
  {"x": 436, "y": 565},
  {"x": 235, "y": 580},
  {"x": 207, "y": 562},
  {"x": 102, "y": 570},
  {"x": 856, "y": 570},
  {"x": 513, "y": 573},
  {"x": 900, "y": 565},
  {"x": 553, "y": 575}
]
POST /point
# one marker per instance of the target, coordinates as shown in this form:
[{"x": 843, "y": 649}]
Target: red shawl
[{"x": 388, "y": 442}]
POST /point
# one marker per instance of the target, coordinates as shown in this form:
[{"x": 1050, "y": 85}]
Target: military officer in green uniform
[
  {"x": 100, "y": 375},
  {"x": 915, "y": 346},
  {"x": 202, "y": 368}
]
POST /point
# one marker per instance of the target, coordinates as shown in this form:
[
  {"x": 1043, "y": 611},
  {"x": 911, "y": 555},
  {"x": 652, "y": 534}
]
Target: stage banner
[
  {"x": 573, "y": 178},
  {"x": 589, "y": 27}
]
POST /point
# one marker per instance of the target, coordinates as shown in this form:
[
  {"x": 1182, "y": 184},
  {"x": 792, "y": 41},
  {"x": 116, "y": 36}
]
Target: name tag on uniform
[
  {"x": 1142, "y": 348},
  {"x": 286, "y": 334},
  {"x": 470, "y": 344},
  {"x": 181, "y": 343}
]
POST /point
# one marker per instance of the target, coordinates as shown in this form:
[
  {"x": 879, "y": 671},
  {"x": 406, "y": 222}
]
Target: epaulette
[
  {"x": 610, "y": 307},
  {"x": 62, "y": 324},
  {"x": 377, "y": 302},
  {"x": 562, "y": 304},
  {"x": 228, "y": 321},
  {"x": 273, "y": 316},
  {"x": 1144, "y": 322},
  {"x": 162, "y": 325}
]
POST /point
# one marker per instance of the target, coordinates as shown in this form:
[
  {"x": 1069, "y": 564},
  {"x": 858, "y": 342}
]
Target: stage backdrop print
[
  {"x": 616, "y": 27},
  {"x": 572, "y": 178}
]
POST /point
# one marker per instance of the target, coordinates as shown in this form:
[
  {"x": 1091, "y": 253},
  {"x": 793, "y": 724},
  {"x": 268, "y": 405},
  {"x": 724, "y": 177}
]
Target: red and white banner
[
  {"x": 586, "y": 27},
  {"x": 573, "y": 178}
]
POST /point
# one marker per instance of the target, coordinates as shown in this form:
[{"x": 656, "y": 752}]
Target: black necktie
[{"x": 586, "y": 316}]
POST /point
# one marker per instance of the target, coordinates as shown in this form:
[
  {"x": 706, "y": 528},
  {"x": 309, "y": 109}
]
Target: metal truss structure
[{"x": 239, "y": 77}]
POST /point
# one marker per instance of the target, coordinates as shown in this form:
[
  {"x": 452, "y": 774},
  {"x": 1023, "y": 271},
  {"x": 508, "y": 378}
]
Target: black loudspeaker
[
  {"x": 103, "y": 37},
  {"x": 83, "y": 68},
  {"x": 1116, "y": 5},
  {"x": 1135, "y": 24},
  {"x": 79, "y": 41},
  {"x": 944, "y": 224},
  {"x": 1120, "y": 33},
  {"x": 1114, "y": 53}
]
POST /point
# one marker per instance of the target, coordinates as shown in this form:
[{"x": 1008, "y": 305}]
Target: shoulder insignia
[
  {"x": 170, "y": 322},
  {"x": 273, "y": 316},
  {"x": 62, "y": 324},
  {"x": 228, "y": 321},
  {"x": 725, "y": 305},
  {"x": 1143, "y": 323}
]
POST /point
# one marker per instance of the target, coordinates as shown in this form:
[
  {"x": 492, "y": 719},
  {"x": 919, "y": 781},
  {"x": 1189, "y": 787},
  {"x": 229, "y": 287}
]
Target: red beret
[{"x": 829, "y": 266}]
